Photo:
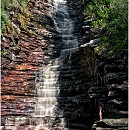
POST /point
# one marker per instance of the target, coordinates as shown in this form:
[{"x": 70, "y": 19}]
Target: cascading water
[
  {"x": 65, "y": 27},
  {"x": 47, "y": 78}
]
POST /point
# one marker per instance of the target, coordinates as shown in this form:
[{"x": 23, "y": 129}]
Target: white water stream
[{"x": 46, "y": 82}]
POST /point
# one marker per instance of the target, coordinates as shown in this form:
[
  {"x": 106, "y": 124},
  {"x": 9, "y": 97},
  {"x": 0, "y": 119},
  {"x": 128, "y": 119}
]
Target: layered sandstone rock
[{"x": 22, "y": 60}]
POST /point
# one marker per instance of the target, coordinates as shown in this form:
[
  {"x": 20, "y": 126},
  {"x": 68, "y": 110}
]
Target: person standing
[{"x": 100, "y": 113}]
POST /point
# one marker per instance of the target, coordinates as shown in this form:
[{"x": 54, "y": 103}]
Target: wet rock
[
  {"x": 114, "y": 93},
  {"x": 98, "y": 92},
  {"x": 8, "y": 98},
  {"x": 18, "y": 78},
  {"x": 119, "y": 104}
]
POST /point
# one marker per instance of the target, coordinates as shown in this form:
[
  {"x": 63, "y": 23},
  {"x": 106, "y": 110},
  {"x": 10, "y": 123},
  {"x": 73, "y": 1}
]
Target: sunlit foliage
[{"x": 111, "y": 18}]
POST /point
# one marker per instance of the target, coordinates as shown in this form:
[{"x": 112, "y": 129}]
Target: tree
[{"x": 111, "y": 18}]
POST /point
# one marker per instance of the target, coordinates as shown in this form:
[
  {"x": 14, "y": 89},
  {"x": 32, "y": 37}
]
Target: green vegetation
[
  {"x": 13, "y": 11},
  {"x": 4, "y": 19},
  {"x": 7, "y": 5},
  {"x": 4, "y": 52},
  {"x": 111, "y": 18}
]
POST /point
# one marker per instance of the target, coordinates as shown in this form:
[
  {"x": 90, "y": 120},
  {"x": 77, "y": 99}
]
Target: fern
[{"x": 4, "y": 19}]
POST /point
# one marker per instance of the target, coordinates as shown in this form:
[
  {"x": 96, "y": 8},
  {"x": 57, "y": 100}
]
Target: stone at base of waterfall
[
  {"x": 17, "y": 128},
  {"x": 41, "y": 127}
]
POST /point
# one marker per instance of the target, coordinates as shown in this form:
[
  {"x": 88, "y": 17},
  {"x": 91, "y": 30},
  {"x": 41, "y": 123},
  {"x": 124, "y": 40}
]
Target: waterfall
[
  {"x": 64, "y": 25},
  {"x": 47, "y": 78}
]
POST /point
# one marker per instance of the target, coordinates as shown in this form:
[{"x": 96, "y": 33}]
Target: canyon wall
[{"x": 85, "y": 80}]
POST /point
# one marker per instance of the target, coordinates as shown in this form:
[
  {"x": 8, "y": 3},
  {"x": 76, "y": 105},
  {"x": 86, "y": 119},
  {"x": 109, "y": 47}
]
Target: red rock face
[{"x": 21, "y": 62}]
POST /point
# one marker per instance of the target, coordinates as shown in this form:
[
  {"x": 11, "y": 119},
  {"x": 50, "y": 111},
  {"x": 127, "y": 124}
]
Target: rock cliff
[{"x": 86, "y": 81}]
